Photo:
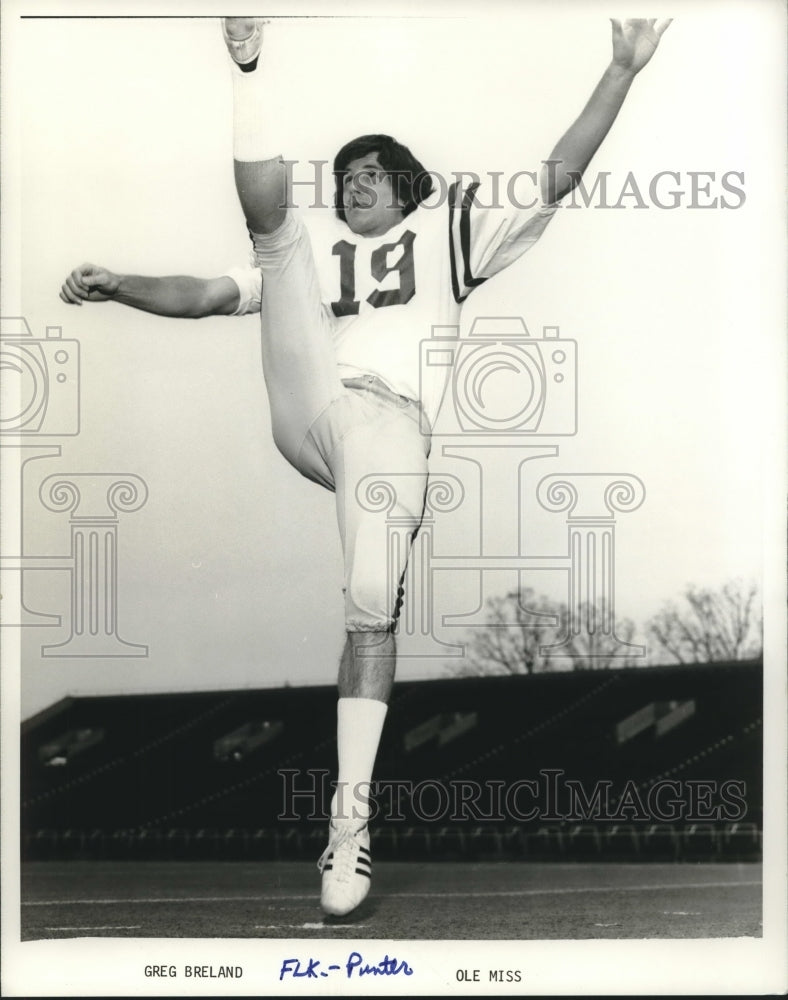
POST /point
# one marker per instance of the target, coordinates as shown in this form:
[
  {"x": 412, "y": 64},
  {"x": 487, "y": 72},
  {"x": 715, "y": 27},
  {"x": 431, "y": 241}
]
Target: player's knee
[
  {"x": 370, "y": 602},
  {"x": 276, "y": 240}
]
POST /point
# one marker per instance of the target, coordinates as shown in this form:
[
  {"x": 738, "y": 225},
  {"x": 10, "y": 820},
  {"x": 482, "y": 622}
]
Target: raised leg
[{"x": 260, "y": 175}]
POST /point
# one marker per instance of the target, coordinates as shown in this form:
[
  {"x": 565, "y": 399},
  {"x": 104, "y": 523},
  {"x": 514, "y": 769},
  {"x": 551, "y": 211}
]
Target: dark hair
[{"x": 410, "y": 181}]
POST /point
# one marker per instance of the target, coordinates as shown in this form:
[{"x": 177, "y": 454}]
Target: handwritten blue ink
[
  {"x": 385, "y": 967},
  {"x": 355, "y": 964},
  {"x": 292, "y": 966}
]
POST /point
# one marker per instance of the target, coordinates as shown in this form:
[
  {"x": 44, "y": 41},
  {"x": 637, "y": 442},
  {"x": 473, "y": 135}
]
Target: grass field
[{"x": 409, "y": 901}]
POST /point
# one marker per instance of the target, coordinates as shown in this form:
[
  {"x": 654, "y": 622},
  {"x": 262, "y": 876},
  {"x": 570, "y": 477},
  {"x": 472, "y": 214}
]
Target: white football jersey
[{"x": 386, "y": 293}]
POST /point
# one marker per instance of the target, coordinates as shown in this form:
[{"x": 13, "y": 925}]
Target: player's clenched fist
[{"x": 90, "y": 283}]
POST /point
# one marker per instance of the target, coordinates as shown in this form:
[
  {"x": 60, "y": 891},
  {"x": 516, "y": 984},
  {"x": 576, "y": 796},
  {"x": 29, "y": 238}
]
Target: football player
[{"x": 344, "y": 309}]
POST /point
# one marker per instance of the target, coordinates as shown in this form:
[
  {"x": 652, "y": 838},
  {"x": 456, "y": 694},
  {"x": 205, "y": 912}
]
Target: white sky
[{"x": 231, "y": 573}]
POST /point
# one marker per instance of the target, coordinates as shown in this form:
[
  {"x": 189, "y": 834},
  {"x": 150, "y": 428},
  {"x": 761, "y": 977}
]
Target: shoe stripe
[{"x": 359, "y": 871}]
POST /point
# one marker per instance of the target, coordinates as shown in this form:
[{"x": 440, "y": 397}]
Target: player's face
[{"x": 371, "y": 207}]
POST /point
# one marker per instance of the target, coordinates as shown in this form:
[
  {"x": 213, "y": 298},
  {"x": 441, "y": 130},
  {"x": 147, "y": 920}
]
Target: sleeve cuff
[{"x": 250, "y": 286}]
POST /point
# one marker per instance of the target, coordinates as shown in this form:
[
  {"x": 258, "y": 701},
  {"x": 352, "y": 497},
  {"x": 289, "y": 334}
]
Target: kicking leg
[
  {"x": 260, "y": 175},
  {"x": 299, "y": 362}
]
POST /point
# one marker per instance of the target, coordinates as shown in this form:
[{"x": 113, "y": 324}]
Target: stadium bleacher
[{"x": 544, "y": 766}]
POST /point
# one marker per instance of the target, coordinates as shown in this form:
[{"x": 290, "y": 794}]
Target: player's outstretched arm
[
  {"x": 177, "y": 295},
  {"x": 634, "y": 43}
]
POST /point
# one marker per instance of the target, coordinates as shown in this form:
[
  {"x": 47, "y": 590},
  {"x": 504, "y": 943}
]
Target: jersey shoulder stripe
[{"x": 462, "y": 281}]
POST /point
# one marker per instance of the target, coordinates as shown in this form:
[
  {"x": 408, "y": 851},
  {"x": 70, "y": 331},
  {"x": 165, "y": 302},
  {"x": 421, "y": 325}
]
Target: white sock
[
  {"x": 359, "y": 727},
  {"x": 255, "y": 132}
]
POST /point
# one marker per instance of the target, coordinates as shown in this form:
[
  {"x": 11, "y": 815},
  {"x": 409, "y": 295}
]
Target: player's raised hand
[
  {"x": 89, "y": 283},
  {"x": 635, "y": 41}
]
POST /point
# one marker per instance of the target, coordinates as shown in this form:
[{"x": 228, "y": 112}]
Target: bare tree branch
[
  {"x": 710, "y": 625},
  {"x": 520, "y": 626},
  {"x": 724, "y": 624}
]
